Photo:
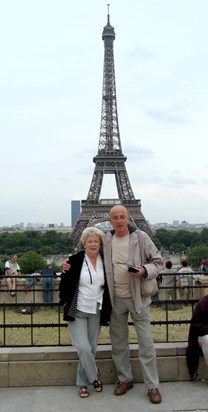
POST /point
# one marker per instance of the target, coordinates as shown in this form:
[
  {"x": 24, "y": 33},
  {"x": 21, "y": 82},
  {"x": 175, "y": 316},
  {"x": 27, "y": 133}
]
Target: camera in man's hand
[{"x": 132, "y": 268}]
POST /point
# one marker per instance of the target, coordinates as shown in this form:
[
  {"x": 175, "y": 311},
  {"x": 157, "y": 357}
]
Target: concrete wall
[{"x": 48, "y": 366}]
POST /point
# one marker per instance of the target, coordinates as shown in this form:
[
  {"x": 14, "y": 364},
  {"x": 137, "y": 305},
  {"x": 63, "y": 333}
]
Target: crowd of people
[
  {"x": 12, "y": 272},
  {"x": 177, "y": 283}
]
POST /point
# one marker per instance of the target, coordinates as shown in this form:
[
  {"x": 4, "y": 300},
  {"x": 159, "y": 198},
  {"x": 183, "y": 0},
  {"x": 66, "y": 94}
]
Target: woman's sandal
[
  {"x": 83, "y": 392},
  {"x": 98, "y": 385}
]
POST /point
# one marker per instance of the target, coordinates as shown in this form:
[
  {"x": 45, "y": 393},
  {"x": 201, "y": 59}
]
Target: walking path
[{"x": 177, "y": 397}]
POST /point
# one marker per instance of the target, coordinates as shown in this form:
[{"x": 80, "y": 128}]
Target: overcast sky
[{"x": 51, "y": 69}]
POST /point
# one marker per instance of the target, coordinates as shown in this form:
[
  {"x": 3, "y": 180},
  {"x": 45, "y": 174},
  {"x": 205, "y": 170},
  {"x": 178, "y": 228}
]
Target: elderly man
[{"x": 128, "y": 244}]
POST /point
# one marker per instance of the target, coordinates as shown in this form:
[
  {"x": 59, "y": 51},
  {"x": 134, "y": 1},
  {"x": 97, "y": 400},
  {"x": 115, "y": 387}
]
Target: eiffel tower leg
[
  {"x": 96, "y": 184},
  {"x": 123, "y": 184},
  {"x": 90, "y": 215}
]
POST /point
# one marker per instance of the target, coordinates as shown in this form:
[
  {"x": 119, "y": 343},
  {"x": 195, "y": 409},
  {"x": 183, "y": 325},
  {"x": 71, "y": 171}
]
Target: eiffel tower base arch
[{"x": 93, "y": 212}]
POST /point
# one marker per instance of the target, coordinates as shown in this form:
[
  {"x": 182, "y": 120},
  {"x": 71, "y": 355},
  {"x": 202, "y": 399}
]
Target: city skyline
[
  {"x": 54, "y": 225},
  {"x": 51, "y": 88}
]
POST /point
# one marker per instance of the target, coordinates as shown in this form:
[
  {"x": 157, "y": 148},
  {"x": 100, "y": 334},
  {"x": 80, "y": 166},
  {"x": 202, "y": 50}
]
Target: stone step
[{"x": 51, "y": 366}]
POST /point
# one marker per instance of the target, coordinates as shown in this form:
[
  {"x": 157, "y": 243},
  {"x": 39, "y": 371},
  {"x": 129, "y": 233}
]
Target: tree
[
  {"x": 157, "y": 242},
  {"x": 177, "y": 247},
  {"x": 31, "y": 261},
  {"x": 204, "y": 236},
  {"x": 22, "y": 242},
  {"x": 46, "y": 250},
  {"x": 196, "y": 254}
]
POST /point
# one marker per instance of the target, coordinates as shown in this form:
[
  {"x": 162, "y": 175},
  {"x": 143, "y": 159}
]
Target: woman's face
[{"x": 92, "y": 245}]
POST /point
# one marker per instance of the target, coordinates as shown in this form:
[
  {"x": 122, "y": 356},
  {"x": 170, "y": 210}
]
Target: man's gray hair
[{"x": 92, "y": 230}]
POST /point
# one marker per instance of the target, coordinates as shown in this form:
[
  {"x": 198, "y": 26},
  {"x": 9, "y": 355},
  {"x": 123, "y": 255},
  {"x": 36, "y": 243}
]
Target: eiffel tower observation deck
[{"x": 110, "y": 159}]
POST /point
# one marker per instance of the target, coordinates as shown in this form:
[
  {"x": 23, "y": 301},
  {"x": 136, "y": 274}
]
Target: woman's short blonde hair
[{"x": 90, "y": 231}]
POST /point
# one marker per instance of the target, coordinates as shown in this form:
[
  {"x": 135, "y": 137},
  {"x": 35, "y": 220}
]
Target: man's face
[
  {"x": 13, "y": 259},
  {"x": 119, "y": 220}
]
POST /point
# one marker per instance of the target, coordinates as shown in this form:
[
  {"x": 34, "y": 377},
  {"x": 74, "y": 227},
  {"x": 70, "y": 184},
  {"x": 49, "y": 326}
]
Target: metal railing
[{"x": 25, "y": 320}]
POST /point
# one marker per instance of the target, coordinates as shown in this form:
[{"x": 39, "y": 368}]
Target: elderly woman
[{"x": 84, "y": 294}]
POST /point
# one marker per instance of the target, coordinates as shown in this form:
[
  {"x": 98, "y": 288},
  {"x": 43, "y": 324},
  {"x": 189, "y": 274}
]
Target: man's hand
[
  {"x": 8, "y": 272},
  {"x": 66, "y": 266},
  {"x": 140, "y": 273}
]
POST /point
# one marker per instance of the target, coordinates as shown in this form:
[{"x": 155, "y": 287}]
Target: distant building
[
  {"x": 75, "y": 211},
  {"x": 176, "y": 223}
]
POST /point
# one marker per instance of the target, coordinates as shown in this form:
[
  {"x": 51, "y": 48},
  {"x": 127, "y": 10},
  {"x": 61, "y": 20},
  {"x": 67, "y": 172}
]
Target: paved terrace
[
  {"x": 177, "y": 397},
  {"x": 43, "y": 379}
]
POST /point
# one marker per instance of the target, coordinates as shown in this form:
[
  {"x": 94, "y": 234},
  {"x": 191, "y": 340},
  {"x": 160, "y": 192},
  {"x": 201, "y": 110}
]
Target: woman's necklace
[{"x": 89, "y": 271}]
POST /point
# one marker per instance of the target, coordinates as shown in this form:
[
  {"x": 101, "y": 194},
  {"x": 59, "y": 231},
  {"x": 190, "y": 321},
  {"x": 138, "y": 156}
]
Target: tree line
[
  {"x": 31, "y": 247},
  {"x": 193, "y": 244},
  {"x": 47, "y": 243}
]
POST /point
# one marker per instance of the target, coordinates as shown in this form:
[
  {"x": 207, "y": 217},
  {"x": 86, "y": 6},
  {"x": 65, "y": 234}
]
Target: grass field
[{"x": 18, "y": 331}]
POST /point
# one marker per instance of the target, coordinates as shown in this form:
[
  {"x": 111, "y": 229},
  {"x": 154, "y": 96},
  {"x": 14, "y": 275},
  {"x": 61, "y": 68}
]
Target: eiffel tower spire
[{"x": 110, "y": 159}]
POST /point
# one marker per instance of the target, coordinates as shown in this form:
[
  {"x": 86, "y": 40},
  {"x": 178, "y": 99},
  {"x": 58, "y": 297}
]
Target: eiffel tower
[{"x": 110, "y": 159}]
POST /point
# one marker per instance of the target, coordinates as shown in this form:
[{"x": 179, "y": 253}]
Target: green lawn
[{"x": 43, "y": 334}]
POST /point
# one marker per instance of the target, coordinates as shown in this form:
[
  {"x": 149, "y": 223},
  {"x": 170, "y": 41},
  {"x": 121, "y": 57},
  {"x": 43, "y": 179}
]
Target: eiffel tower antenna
[
  {"x": 110, "y": 159},
  {"x": 108, "y": 5}
]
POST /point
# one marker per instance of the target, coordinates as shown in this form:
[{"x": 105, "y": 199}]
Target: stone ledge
[
  {"x": 46, "y": 353},
  {"x": 49, "y": 366}
]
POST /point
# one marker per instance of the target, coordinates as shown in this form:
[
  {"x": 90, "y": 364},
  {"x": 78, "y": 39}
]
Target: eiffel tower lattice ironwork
[{"x": 110, "y": 159}]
